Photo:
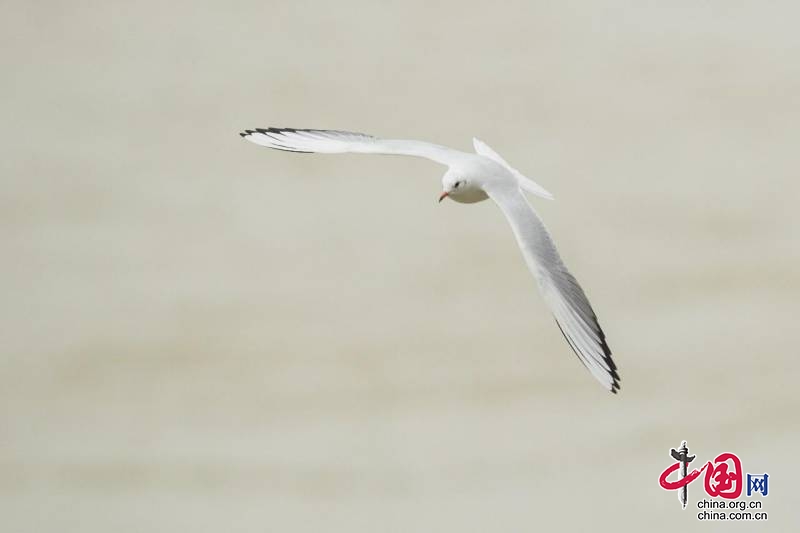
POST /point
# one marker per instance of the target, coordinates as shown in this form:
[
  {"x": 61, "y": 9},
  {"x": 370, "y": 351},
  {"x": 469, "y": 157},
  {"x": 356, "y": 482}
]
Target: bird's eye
[{"x": 458, "y": 184}]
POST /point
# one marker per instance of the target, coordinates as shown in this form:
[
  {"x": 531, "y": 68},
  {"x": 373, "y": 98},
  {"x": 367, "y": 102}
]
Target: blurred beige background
[{"x": 202, "y": 335}]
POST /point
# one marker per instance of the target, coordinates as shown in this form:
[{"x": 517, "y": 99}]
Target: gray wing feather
[
  {"x": 339, "y": 142},
  {"x": 570, "y": 306}
]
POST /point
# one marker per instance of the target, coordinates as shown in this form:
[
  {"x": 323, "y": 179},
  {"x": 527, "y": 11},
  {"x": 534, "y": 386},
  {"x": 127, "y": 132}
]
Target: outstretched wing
[
  {"x": 571, "y": 308},
  {"x": 339, "y": 142}
]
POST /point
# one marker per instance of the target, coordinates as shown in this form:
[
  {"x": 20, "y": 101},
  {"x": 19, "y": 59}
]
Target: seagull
[{"x": 471, "y": 178}]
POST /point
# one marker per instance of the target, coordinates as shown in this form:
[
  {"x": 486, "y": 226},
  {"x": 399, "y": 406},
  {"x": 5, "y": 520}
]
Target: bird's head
[{"x": 457, "y": 186}]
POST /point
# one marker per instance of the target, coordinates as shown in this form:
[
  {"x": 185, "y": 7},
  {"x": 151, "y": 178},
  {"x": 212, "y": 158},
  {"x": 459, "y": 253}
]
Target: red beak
[{"x": 443, "y": 196}]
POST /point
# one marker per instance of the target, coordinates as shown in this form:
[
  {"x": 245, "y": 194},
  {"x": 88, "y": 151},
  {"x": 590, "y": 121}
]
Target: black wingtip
[
  {"x": 615, "y": 378},
  {"x": 276, "y": 141},
  {"x": 607, "y": 358}
]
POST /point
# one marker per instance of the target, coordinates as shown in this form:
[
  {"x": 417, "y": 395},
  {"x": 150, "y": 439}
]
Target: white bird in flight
[{"x": 472, "y": 178}]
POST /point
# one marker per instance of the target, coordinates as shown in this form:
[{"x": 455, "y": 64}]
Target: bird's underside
[{"x": 487, "y": 173}]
